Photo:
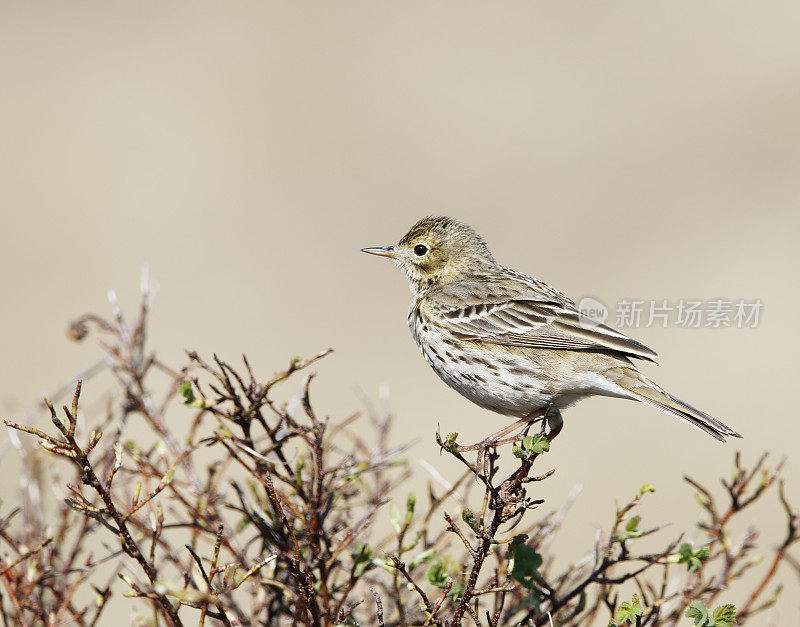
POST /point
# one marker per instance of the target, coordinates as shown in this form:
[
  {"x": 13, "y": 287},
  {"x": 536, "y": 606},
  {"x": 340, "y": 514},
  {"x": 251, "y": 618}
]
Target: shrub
[{"x": 265, "y": 513}]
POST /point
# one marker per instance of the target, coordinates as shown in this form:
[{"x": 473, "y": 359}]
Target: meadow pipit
[{"x": 512, "y": 343}]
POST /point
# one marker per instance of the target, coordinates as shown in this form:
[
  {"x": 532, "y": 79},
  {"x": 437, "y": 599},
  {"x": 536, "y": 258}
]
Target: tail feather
[
  {"x": 644, "y": 390},
  {"x": 694, "y": 417}
]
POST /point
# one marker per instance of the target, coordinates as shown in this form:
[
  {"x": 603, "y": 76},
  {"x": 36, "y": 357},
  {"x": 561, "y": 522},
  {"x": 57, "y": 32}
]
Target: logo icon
[{"x": 592, "y": 312}]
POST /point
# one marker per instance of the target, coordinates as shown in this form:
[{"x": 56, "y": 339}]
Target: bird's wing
[{"x": 530, "y": 320}]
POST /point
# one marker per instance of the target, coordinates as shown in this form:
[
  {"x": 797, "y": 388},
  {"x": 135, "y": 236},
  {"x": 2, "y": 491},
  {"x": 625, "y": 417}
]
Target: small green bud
[
  {"x": 468, "y": 517},
  {"x": 411, "y": 503},
  {"x": 450, "y": 442}
]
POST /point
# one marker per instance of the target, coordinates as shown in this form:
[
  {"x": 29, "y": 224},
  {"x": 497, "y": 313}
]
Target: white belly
[{"x": 506, "y": 383}]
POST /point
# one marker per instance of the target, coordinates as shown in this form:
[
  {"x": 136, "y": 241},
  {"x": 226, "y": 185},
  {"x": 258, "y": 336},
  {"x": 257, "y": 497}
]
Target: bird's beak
[{"x": 383, "y": 251}]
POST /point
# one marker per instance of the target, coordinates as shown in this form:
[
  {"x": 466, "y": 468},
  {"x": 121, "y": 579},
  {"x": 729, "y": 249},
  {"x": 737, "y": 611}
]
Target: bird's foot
[{"x": 502, "y": 437}]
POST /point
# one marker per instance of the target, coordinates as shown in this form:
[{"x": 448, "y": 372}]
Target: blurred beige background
[{"x": 247, "y": 151}]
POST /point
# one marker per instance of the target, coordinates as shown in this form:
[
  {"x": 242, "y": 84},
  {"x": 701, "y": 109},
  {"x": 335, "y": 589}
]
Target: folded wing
[{"x": 533, "y": 323}]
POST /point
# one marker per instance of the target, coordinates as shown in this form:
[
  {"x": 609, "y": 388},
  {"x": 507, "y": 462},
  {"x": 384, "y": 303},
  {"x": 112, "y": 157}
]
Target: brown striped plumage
[{"x": 512, "y": 343}]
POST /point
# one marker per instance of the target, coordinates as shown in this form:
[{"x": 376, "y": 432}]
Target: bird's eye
[{"x": 420, "y": 249}]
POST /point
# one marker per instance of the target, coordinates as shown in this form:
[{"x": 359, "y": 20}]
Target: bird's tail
[{"x": 642, "y": 389}]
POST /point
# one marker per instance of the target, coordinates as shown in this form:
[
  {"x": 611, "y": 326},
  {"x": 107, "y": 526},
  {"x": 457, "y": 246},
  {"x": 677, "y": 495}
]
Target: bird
[{"x": 513, "y": 344}]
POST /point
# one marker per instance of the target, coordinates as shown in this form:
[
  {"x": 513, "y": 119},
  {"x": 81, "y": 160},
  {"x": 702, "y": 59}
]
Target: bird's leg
[
  {"x": 554, "y": 423},
  {"x": 499, "y": 438}
]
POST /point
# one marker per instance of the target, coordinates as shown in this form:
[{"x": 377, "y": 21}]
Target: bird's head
[{"x": 438, "y": 250}]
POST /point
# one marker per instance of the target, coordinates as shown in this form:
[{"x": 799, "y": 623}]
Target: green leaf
[
  {"x": 693, "y": 559},
  {"x": 628, "y": 612},
  {"x": 187, "y": 392},
  {"x": 631, "y": 529},
  {"x": 647, "y": 487},
  {"x": 725, "y": 615},
  {"x": 633, "y": 523},
  {"x": 526, "y": 565},
  {"x": 450, "y": 443},
  {"x": 536, "y": 444},
  {"x": 722, "y": 616},
  {"x": 411, "y": 503},
  {"x": 699, "y": 612},
  {"x": 438, "y": 573},
  {"x": 468, "y": 517}
]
